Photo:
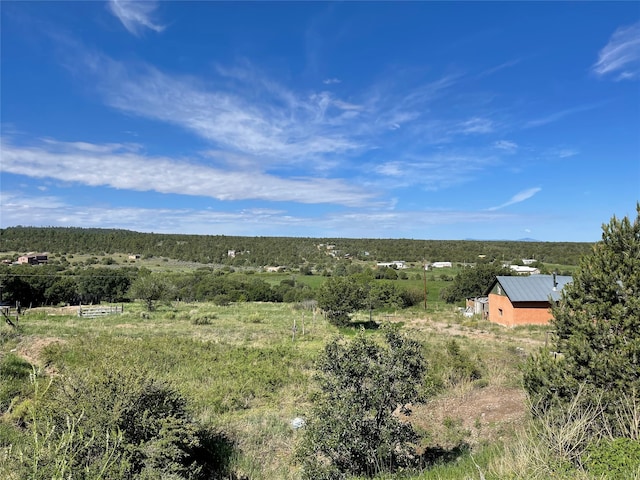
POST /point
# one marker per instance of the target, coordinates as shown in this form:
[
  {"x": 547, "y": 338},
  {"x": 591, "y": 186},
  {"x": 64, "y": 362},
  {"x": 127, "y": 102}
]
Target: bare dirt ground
[
  {"x": 468, "y": 413},
  {"x": 30, "y": 348},
  {"x": 473, "y": 415}
]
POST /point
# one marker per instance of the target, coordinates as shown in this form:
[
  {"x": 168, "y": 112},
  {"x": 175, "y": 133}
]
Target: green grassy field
[{"x": 243, "y": 370}]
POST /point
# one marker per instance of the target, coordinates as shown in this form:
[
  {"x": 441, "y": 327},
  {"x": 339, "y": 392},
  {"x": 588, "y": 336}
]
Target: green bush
[
  {"x": 116, "y": 424},
  {"x": 353, "y": 429},
  {"x": 462, "y": 366},
  {"x": 616, "y": 459},
  {"x": 203, "y": 319},
  {"x": 221, "y": 300}
]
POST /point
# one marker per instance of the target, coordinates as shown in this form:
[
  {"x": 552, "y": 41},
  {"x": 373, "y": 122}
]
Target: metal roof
[{"x": 535, "y": 288}]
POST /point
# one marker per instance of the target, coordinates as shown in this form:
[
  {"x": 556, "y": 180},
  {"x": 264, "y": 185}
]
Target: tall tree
[
  {"x": 597, "y": 327},
  {"x": 151, "y": 288}
]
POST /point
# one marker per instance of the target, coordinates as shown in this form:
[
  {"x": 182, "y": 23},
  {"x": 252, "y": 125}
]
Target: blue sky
[{"x": 388, "y": 120}]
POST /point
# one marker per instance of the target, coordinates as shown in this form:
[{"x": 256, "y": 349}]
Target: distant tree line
[
  {"x": 293, "y": 252},
  {"x": 52, "y": 285}
]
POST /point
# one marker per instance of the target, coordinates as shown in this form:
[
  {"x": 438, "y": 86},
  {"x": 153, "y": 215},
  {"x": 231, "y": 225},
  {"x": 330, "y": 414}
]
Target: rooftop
[{"x": 536, "y": 288}]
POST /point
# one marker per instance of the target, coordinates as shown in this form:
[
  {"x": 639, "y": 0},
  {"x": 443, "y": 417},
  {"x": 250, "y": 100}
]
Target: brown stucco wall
[{"x": 522, "y": 313}]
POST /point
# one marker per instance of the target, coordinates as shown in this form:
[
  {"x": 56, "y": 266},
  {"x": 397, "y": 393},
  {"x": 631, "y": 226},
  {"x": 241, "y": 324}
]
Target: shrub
[
  {"x": 91, "y": 420},
  {"x": 221, "y": 300},
  {"x": 203, "y": 319},
  {"x": 617, "y": 458},
  {"x": 353, "y": 429},
  {"x": 472, "y": 282},
  {"x": 462, "y": 366}
]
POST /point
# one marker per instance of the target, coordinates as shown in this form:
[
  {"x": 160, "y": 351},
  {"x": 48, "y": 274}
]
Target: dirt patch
[
  {"x": 30, "y": 348},
  {"x": 453, "y": 329},
  {"x": 472, "y": 415},
  {"x": 71, "y": 310}
]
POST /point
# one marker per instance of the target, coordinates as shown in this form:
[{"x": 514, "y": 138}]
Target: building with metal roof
[{"x": 521, "y": 300}]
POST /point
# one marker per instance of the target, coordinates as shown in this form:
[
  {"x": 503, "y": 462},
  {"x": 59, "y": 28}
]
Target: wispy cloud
[
  {"x": 563, "y": 152},
  {"x": 242, "y": 114},
  {"x": 477, "y": 125},
  {"x": 621, "y": 56},
  {"x": 502, "y": 66},
  {"x": 123, "y": 167},
  {"x": 55, "y": 211},
  {"x": 331, "y": 81},
  {"x": 506, "y": 146},
  {"x": 245, "y": 112},
  {"x": 271, "y": 122},
  {"x": 517, "y": 198},
  {"x": 556, "y": 116},
  {"x": 136, "y": 15},
  {"x": 432, "y": 172}
]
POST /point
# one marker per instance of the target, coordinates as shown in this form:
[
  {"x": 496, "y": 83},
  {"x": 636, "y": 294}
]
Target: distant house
[
  {"x": 33, "y": 258},
  {"x": 439, "y": 265},
  {"x": 395, "y": 264},
  {"x": 524, "y": 270},
  {"x": 528, "y": 261},
  {"x": 276, "y": 269},
  {"x": 134, "y": 257},
  {"x": 519, "y": 300}
]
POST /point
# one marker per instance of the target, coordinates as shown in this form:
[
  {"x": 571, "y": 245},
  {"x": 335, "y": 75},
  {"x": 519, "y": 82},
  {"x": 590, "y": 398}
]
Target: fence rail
[{"x": 100, "y": 311}]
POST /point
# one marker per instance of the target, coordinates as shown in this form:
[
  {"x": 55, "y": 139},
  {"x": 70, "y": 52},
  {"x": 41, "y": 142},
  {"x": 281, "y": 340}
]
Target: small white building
[
  {"x": 439, "y": 265},
  {"x": 395, "y": 264},
  {"x": 524, "y": 270}
]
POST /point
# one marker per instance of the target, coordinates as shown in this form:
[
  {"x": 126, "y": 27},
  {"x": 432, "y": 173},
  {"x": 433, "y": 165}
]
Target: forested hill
[{"x": 257, "y": 251}]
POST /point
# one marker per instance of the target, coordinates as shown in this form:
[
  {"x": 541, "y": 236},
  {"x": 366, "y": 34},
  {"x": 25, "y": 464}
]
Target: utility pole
[{"x": 424, "y": 278}]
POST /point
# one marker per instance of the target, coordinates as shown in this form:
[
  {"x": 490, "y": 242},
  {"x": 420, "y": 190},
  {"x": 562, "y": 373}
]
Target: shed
[{"x": 524, "y": 300}]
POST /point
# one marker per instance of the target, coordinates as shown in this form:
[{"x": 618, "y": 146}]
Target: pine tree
[{"x": 596, "y": 327}]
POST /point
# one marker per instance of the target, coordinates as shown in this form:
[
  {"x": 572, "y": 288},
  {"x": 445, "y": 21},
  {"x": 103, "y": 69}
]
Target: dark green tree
[
  {"x": 103, "y": 284},
  {"x": 385, "y": 294},
  {"x": 339, "y": 297},
  {"x": 596, "y": 328},
  {"x": 353, "y": 428},
  {"x": 63, "y": 290},
  {"x": 472, "y": 282}
]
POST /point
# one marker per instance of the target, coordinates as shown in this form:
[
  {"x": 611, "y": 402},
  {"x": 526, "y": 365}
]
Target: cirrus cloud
[
  {"x": 621, "y": 55},
  {"x": 518, "y": 197},
  {"x": 136, "y": 16}
]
